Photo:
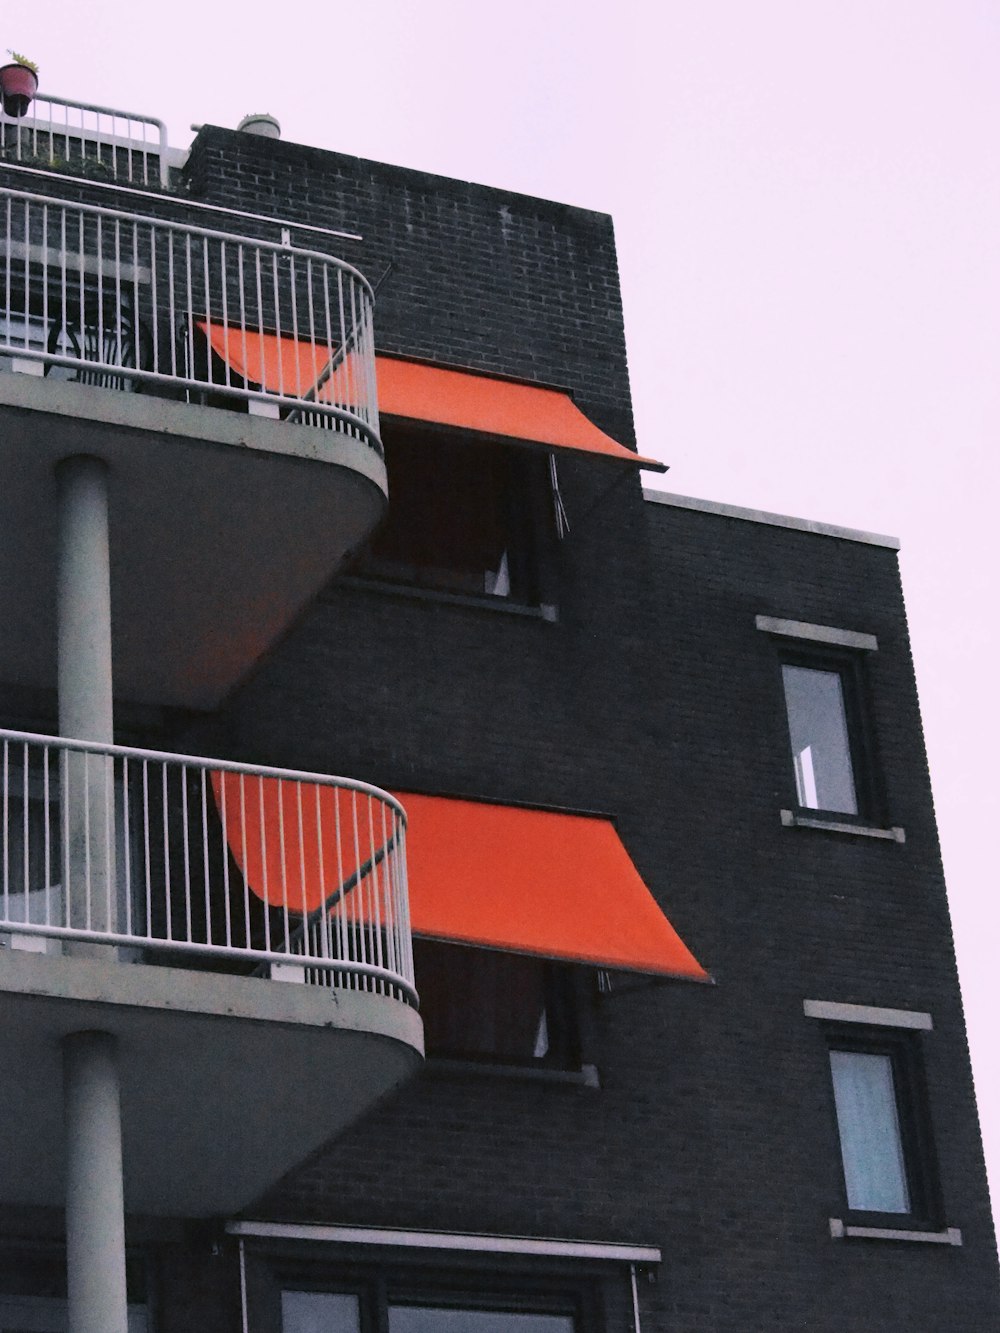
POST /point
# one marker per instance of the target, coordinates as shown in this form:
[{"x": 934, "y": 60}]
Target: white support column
[
  {"x": 84, "y": 592},
  {"x": 95, "y": 1213},
  {"x": 95, "y": 1208},
  {"x": 86, "y": 691}
]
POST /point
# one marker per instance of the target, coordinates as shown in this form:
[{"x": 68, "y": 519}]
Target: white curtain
[{"x": 870, "y": 1141}]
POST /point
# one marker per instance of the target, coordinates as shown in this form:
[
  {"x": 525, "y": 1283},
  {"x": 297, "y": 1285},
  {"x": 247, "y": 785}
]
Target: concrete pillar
[
  {"x": 86, "y": 691},
  {"x": 95, "y": 1213},
  {"x": 84, "y": 600}
]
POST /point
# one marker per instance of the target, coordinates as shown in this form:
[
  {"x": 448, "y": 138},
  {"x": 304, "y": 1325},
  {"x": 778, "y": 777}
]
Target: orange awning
[
  {"x": 418, "y": 391},
  {"x": 497, "y": 876}
]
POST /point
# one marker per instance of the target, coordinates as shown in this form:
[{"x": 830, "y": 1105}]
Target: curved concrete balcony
[
  {"x": 244, "y": 934},
  {"x": 239, "y": 479}
]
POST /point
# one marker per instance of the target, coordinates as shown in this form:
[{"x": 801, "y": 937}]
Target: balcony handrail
[
  {"x": 127, "y": 299},
  {"x": 284, "y": 225},
  {"x": 279, "y": 247},
  {"x": 114, "y": 148},
  {"x": 195, "y": 761},
  {"x": 169, "y": 854}
]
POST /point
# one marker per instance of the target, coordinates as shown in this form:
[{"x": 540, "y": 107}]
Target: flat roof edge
[{"x": 772, "y": 520}]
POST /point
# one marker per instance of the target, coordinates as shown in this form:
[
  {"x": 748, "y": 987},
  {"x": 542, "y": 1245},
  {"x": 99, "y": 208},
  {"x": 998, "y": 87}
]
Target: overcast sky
[{"x": 807, "y": 206}]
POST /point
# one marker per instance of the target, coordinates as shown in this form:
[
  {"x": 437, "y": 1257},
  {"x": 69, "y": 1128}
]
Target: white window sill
[
  {"x": 793, "y": 819},
  {"x": 840, "y": 1231}
]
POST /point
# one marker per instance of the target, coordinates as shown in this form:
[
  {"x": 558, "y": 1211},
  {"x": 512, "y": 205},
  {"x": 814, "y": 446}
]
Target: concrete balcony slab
[
  {"x": 224, "y": 525},
  {"x": 227, "y": 1082}
]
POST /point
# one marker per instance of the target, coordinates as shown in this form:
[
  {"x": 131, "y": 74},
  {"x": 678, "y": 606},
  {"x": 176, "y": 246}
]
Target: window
[
  {"x": 463, "y": 518},
  {"x": 306, "y": 1279},
  {"x": 320, "y": 1312},
  {"x": 486, "y": 1005},
  {"x": 335, "y": 1312},
  {"x": 831, "y": 747},
  {"x": 883, "y": 1127}
]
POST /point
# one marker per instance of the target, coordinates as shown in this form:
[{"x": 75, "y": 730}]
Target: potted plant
[{"x": 18, "y": 84}]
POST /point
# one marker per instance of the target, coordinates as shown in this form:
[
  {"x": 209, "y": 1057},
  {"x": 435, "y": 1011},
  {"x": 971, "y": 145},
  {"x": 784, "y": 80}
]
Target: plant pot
[{"x": 18, "y": 85}]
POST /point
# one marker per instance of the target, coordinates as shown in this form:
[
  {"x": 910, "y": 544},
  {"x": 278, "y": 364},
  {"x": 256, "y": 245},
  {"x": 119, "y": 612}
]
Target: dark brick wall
[
  {"x": 652, "y": 698},
  {"x": 479, "y": 277},
  {"x": 655, "y": 699}
]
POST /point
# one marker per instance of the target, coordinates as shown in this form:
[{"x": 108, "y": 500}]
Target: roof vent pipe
[{"x": 262, "y": 124}]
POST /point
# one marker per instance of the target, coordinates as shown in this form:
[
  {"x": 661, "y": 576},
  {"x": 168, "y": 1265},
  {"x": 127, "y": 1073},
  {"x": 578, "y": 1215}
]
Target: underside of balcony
[
  {"x": 223, "y": 524},
  {"x": 227, "y": 1082}
]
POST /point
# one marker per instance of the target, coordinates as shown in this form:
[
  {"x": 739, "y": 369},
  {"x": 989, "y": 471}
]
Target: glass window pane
[
  {"x": 428, "y": 1319},
  {"x": 821, "y": 750},
  {"x": 319, "y": 1312},
  {"x": 870, "y": 1141}
]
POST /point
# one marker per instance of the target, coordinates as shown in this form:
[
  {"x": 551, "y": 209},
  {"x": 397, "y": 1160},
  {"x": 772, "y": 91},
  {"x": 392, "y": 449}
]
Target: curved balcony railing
[
  {"x": 142, "y": 304},
  {"x": 202, "y": 862}
]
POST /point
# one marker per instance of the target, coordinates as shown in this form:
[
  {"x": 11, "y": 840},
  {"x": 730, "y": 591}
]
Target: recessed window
[
  {"x": 320, "y": 1312},
  {"x": 338, "y": 1312},
  {"x": 882, "y": 1124},
  {"x": 486, "y": 1005},
  {"x": 871, "y": 1141},
  {"x": 462, "y": 518},
  {"x": 829, "y": 732},
  {"x": 821, "y": 747}
]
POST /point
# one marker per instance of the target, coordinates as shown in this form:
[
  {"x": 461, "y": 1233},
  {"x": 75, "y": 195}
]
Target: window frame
[
  {"x": 462, "y": 1281},
  {"x": 561, "y": 985},
  {"x": 525, "y": 510},
  {"x": 904, "y": 1050},
  {"x": 848, "y": 665}
]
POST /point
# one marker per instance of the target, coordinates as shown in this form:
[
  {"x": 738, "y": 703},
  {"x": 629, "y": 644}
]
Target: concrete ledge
[
  {"x": 792, "y": 819},
  {"x": 584, "y": 1077},
  {"x": 83, "y": 406},
  {"x": 869, "y": 1014},
  {"x": 801, "y": 629},
  {"x": 772, "y": 520},
  {"x": 840, "y": 1231}
]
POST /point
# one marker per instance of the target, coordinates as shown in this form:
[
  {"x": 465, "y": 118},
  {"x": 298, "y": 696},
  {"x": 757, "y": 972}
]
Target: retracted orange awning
[
  {"x": 496, "y": 876},
  {"x": 418, "y": 391}
]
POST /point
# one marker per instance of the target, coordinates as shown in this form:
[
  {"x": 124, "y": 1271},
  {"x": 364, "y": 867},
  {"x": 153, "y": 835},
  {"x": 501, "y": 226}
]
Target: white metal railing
[
  {"x": 135, "y": 302},
  {"x": 170, "y": 857},
  {"x": 89, "y": 139}
]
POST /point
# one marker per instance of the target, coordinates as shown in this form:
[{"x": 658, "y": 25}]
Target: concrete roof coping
[{"x": 772, "y": 520}]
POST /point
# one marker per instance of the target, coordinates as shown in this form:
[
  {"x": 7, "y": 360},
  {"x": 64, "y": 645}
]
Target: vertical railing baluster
[
  {"x": 6, "y": 830},
  {"x": 206, "y": 864},
  {"x": 147, "y": 848},
  {"x": 167, "y": 887},
  {"x": 126, "y": 832},
  {"x": 186, "y": 851}
]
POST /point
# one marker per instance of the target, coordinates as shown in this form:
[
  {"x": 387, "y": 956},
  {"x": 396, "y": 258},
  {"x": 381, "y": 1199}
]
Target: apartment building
[{"x": 446, "y": 887}]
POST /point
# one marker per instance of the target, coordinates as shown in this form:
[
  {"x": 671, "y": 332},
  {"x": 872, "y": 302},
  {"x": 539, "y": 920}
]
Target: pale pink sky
[{"x": 807, "y": 205}]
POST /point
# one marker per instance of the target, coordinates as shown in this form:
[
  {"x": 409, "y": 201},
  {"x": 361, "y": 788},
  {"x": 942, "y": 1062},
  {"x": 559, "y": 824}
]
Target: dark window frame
[
  {"x": 522, "y": 511},
  {"x": 560, "y": 983},
  {"x": 848, "y": 665},
  {"x": 506, "y": 1284},
  {"x": 904, "y": 1049}
]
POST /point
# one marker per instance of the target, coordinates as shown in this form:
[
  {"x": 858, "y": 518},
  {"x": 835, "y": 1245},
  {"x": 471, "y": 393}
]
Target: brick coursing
[{"x": 654, "y": 699}]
